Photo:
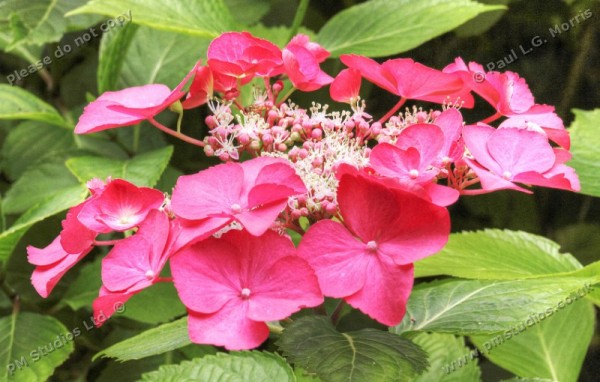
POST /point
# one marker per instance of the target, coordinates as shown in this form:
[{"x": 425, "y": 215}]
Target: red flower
[{"x": 368, "y": 259}]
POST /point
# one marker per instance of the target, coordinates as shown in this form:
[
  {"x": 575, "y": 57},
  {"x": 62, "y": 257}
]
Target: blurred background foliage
[{"x": 564, "y": 71}]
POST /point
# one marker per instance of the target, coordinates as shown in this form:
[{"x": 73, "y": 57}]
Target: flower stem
[
  {"x": 106, "y": 242},
  {"x": 298, "y": 18},
  {"x": 492, "y": 118},
  {"x": 393, "y": 110},
  {"x": 176, "y": 134}
]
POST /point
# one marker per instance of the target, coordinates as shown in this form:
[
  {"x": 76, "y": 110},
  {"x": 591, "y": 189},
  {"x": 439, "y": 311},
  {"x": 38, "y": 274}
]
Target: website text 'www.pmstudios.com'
[{"x": 532, "y": 319}]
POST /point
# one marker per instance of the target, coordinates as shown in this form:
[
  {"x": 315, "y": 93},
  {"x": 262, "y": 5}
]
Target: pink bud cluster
[{"x": 374, "y": 191}]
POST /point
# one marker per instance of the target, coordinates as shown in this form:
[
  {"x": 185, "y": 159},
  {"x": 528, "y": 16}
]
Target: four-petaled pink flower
[
  {"x": 233, "y": 284},
  {"x": 368, "y": 259},
  {"x": 411, "y": 80},
  {"x": 507, "y": 155},
  {"x": 510, "y": 95},
  {"x": 120, "y": 207},
  {"x": 252, "y": 193},
  {"x": 301, "y": 59},
  {"x": 135, "y": 263},
  {"x": 243, "y": 56}
]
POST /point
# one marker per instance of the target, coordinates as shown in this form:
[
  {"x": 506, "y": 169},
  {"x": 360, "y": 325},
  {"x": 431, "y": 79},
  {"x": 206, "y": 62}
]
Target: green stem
[
  {"x": 299, "y": 17},
  {"x": 275, "y": 329}
]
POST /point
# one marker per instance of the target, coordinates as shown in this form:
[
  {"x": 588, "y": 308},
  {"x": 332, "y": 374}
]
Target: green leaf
[
  {"x": 38, "y": 184},
  {"x": 32, "y": 346},
  {"x": 248, "y": 12},
  {"x": 482, "y": 23},
  {"x": 517, "y": 379},
  {"x": 443, "y": 349},
  {"x": 84, "y": 289},
  {"x": 233, "y": 367},
  {"x": 496, "y": 254},
  {"x": 366, "y": 355},
  {"x": 16, "y": 103},
  {"x": 142, "y": 170},
  {"x": 164, "y": 338},
  {"x": 384, "y": 27},
  {"x": 156, "y": 56},
  {"x": 33, "y": 142},
  {"x": 28, "y": 53},
  {"x": 163, "y": 299},
  {"x": 555, "y": 345},
  {"x": 469, "y": 307},
  {"x": 113, "y": 50},
  {"x": 207, "y": 18},
  {"x": 585, "y": 146},
  {"x": 57, "y": 203},
  {"x": 36, "y": 22}
]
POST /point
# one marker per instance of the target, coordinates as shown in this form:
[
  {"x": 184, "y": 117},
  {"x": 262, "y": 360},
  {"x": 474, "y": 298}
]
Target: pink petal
[
  {"x": 260, "y": 219},
  {"x": 206, "y": 275},
  {"x": 134, "y": 263},
  {"x": 370, "y": 70},
  {"x": 228, "y": 327},
  {"x": 426, "y": 138},
  {"x": 121, "y": 206},
  {"x": 314, "y": 48},
  {"x": 75, "y": 237},
  {"x": 394, "y": 162},
  {"x": 416, "y": 81},
  {"x": 45, "y": 277},
  {"x": 450, "y": 121},
  {"x": 210, "y": 192},
  {"x": 404, "y": 226},
  {"x": 337, "y": 257},
  {"x": 385, "y": 293},
  {"x": 49, "y": 255},
  {"x": 200, "y": 89},
  {"x": 346, "y": 86},
  {"x": 288, "y": 286},
  {"x": 107, "y": 303},
  {"x": 193, "y": 231},
  {"x": 476, "y": 138},
  {"x": 519, "y": 150},
  {"x": 492, "y": 182},
  {"x": 441, "y": 195},
  {"x": 97, "y": 116}
]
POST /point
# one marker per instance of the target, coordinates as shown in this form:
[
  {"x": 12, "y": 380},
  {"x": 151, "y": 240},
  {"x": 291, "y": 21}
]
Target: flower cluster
[{"x": 374, "y": 191}]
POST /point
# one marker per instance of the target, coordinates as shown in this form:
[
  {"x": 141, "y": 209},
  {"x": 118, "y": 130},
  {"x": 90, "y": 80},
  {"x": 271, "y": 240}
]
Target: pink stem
[
  {"x": 492, "y": 118},
  {"x": 176, "y": 134},
  {"x": 393, "y": 110},
  {"x": 106, "y": 242}
]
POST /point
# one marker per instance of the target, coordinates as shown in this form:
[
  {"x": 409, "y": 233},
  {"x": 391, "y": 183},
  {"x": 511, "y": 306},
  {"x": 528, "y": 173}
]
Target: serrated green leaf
[
  {"x": 113, "y": 50},
  {"x": 33, "y": 142},
  {"x": 207, "y": 18},
  {"x": 38, "y": 184},
  {"x": 585, "y": 146},
  {"x": 517, "y": 379},
  {"x": 443, "y": 349},
  {"x": 84, "y": 289},
  {"x": 384, "y": 27},
  {"x": 161, "y": 339},
  {"x": 142, "y": 170},
  {"x": 16, "y": 103},
  {"x": 163, "y": 300},
  {"x": 496, "y": 254},
  {"x": 555, "y": 346},
  {"x": 57, "y": 203},
  {"x": 233, "y": 367},
  {"x": 32, "y": 346},
  {"x": 156, "y": 56},
  {"x": 468, "y": 307},
  {"x": 365, "y": 355}
]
